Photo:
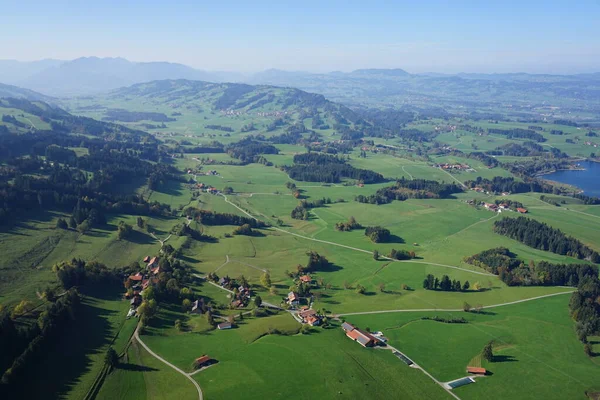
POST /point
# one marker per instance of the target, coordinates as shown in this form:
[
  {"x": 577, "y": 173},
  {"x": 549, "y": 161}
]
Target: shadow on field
[
  {"x": 135, "y": 367},
  {"x": 68, "y": 356},
  {"x": 138, "y": 237},
  {"x": 395, "y": 239},
  {"x": 502, "y": 358},
  {"x": 173, "y": 188},
  {"x": 189, "y": 259}
]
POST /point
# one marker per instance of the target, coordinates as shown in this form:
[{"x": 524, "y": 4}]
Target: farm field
[{"x": 344, "y": 369}]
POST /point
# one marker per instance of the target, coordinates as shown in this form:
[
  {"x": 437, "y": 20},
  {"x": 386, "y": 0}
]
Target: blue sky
[{"x": 419, "y": 36}]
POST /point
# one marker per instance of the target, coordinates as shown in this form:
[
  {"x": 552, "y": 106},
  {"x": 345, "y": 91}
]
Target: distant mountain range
[
  {"x": 20, "y": 93},
  {"x": 381, "y": 88},
  {"x": 91, "y": 75}
]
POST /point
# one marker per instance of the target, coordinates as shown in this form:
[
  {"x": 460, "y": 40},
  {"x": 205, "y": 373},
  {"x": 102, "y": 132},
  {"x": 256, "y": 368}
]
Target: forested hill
[
  {"x": 17, "y": 92},
  {"x": 229, "y": 96},
  {"x": 21, "y": 115},
  {"x": 171, "y": 105}
]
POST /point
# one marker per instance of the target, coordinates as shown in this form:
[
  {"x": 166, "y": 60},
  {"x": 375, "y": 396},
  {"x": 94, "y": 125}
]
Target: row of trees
[
  {"x": 542, "y": 236},
  {"x": 585, "y": 310},
  {"x": 215, "y": 218},
  {"x": 518, "y": 133},
  {"x": 445, "y": 284}
]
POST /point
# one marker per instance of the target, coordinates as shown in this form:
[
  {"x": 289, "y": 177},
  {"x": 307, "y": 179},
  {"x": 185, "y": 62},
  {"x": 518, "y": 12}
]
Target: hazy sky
[{"x": 252, "y": 35}]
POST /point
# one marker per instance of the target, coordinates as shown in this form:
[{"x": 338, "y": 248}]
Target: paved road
[
  {"x": 354, "y": 248},
  {"x": 451, "y": 309},
  {"x": 137, "y": 337}
]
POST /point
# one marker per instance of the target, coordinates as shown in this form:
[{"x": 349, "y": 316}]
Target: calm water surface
[{"x": 587, "y": 180}]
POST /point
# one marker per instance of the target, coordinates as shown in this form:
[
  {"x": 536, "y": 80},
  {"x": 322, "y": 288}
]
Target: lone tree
[
  {"x": 375, "y": 255},
  {"x": 257, "y": 301},
  {"x": 111, "y": 358},
  {"x": 487, "y": 352},
  {"x": 265, "y": 280}
]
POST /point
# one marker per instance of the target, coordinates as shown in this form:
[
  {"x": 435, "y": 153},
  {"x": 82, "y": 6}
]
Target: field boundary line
[{"x": 137, "y": 337}]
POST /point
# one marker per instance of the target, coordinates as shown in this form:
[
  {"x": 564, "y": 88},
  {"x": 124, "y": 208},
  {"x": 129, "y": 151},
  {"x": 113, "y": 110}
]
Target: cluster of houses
[
  {"x": 309, "y": 316},
  {"x": 445, "y": 128},
  {"x": 271, "y": 113},
  {"x": 456, "y": 167},
  {"x": 239, "y": 299},
  {"x": 141, "y": 280},
  {"x": 207, "y": 188},
  {"x": 502, "y": 207}
]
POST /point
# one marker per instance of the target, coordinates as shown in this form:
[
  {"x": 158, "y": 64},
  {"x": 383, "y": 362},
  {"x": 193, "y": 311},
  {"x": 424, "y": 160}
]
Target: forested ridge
[
  {"x": 543, "y": 237},
  {"x": 514, "y": 272},
  {"x": 315, "y": 167}
]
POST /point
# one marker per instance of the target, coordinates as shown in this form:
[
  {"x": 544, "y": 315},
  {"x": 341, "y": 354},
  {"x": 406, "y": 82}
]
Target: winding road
[{"x": 182, "y": 372}]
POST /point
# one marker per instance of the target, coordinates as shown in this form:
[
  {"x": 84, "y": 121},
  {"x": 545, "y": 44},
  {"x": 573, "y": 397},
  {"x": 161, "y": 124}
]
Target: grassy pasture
[{"x": 536, "y": 348}]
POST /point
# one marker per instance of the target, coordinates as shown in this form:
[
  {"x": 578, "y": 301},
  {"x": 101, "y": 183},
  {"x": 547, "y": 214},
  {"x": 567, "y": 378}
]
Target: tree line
[
  {"x": 514, "y": 272},
  {"x": 215, "y": 218},
  {"x": 518, "y": 133},
  {"x": 543, "y": 237},
  {"x": 24, "y": 345},
  {"x": 499, "y": 184},
  {"x": 405, "y": 189},
  {"x": 585, "y": 310}
]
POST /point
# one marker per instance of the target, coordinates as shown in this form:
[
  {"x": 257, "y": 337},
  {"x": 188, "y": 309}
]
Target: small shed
[
  {"x": 476, "y": 370},
  {"x": 225, "y": 325}
]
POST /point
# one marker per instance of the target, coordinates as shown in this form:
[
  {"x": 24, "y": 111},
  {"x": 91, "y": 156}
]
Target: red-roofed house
[
  {"x": 146, "y": 259},
  {"x": 137, "y": 277},
  {"x": 152, "y": 262},
  {"x": 522, "y": 210},
  {"x": 293, "y": 298},
  {"x": 306, "y": 279}
]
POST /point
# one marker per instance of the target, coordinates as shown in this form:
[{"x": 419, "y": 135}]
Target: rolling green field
[
  {"x": 534, "y": 347},
  {"x": 323, "y": 363}
]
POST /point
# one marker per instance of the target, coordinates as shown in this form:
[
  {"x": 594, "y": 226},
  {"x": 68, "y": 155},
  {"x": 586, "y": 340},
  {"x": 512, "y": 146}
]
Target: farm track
[{"x": 451, "y": 309}]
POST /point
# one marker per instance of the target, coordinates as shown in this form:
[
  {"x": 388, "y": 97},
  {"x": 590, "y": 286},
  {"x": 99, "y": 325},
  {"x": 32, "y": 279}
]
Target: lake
[{"x": 588, "y": 180}]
